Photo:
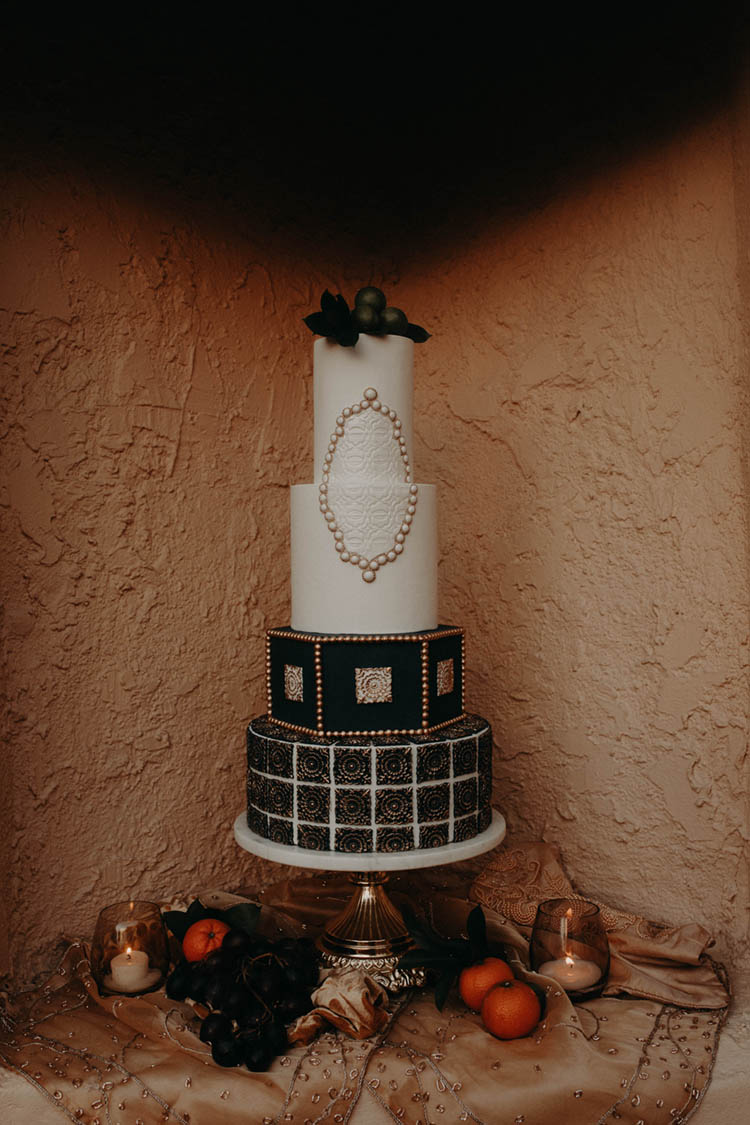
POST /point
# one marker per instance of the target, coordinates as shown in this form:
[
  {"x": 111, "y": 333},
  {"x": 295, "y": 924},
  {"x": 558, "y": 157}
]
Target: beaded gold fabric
[
  {"x": 126, "y": 1061},
  {"x": 647, "y": 958}
]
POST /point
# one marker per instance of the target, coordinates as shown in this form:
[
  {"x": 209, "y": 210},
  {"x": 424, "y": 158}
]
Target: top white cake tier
[
  {"x": 341, "y": 376},
  {"x": 364, "y": 534}
]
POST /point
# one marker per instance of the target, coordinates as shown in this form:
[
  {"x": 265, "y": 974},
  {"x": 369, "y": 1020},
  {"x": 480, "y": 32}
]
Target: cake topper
[{"x": 370, "y": 315}]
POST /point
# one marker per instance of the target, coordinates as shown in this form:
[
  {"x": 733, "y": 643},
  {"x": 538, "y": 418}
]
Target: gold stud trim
[
  {"x": 268, "y": 672},
  {"x": 364, "y": 733},
  {"x": 318, "y": 687},
  {"x": 359, "y": 638},
  {"x": 425, "y": 684}
]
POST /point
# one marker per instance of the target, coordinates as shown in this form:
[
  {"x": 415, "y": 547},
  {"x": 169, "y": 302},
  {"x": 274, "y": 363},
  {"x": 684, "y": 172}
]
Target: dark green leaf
[
  {"x": 442, "y": 988},
  {"x": 197, "y": 910},
  {"x": 347, "y": 335},
  {"x": 317, "y": 323},
  {"x": 342, "y": 309},
  {"x": 180, "y": 921},
  {"x": 243, "y": 916},
  {"x": 425, "y": 937},
  {"x": 176, "y": 922},
  {"x": 476, "y": 928},
  {"x": 327, "y": 302},
  {"x": 335, "y": 310},
  {"x": 417, "y": 334}
]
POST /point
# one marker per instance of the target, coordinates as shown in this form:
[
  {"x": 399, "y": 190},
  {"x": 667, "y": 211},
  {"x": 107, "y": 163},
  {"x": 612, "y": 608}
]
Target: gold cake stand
[{"x": 370, "y": 933}]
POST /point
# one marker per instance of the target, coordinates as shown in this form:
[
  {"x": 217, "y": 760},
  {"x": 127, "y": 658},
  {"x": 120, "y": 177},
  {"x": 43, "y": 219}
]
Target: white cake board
[{"x": 370, "y": 861}]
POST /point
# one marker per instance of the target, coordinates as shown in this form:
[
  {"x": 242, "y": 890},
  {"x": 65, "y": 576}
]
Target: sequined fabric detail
[{"x": 633, "y": 1061}]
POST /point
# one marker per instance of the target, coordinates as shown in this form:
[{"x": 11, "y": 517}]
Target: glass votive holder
[
  {"x": 569, "y": 944},
  {"x": 129, "y": 953}
]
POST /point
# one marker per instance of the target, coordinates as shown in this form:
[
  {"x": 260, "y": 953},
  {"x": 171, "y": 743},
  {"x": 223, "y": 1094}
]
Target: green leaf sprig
[
  {"x": 241, "y": 916},
  {"x": 370, "y": 315},
  {"x": 446, "y": 957}
]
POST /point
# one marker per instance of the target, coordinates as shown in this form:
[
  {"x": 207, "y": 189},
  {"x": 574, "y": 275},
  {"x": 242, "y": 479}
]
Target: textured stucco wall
[
  {"x": 600, "y": 550},
  {"x": 582, "y": 408}
]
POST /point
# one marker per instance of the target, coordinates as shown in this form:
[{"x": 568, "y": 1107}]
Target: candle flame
[
  {"x": 569, "y": 961},
  {"x": 128, "y": 952}
]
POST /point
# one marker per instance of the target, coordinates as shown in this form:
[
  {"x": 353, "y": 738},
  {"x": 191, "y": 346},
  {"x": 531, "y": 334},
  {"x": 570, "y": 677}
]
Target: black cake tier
[
  {"x": 386, "y": 793},
  {"x": 401, "y": 683}
]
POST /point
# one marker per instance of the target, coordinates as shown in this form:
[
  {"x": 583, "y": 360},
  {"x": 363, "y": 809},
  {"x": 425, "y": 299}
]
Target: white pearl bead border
[{"x": 368, "y": 567}]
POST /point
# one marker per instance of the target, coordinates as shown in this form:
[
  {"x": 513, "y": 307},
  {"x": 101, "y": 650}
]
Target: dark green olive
[
  {"x": 366, "y": 318},
  {"x": 371, "y": 295},
  {"x": 394, "y": 322}
]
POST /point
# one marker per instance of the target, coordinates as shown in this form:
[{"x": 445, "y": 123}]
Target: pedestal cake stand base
[{"x": 370, "y": 933}]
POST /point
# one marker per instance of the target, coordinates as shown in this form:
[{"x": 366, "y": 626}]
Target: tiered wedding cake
[{"x": 366, "y": 746}]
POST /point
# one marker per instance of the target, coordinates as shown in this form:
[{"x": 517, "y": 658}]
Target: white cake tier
[
  {"x": 367, "y": 446},
  {"x": 398, "y": 595}
]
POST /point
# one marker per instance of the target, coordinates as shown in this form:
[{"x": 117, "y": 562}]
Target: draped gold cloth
[{"x": 641, "y": 1054}]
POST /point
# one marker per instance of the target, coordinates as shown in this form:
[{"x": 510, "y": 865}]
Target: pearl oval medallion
[{"x": 370, "y": 405}]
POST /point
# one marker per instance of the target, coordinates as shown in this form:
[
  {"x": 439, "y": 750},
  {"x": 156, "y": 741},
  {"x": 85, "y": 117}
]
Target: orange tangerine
[
  {"x": 511, "y": 1010},
  {"x": 476, "y": 980},
  {"x": 203, "y": 937}
]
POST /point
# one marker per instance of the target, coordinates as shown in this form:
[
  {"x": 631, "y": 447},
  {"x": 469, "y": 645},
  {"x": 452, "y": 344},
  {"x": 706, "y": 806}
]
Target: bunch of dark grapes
[{"x": 254, "y": 988}]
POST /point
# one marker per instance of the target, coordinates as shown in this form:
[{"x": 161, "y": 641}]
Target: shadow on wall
[{"x": 359, "y": 133}]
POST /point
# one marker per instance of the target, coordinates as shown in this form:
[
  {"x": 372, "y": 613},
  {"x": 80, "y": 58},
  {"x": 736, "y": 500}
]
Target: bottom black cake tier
[{"x": 389, "y": 793}]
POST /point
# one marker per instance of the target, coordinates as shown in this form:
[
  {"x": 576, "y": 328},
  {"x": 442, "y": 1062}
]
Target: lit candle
[
  {"x": 129, "y": 972},
  {"x": 571, "y": 972}
]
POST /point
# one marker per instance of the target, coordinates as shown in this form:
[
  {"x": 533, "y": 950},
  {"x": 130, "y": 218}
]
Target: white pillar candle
[
  {"x": 571, "y": 972},
  {"x": 129, "y": 971}
]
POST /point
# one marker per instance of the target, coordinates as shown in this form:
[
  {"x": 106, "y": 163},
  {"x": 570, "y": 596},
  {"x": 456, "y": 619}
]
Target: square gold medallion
[
  {"x": 293, "y": 683},
  {"x": 373, "y": 685},
  {"x": 445, "y": 676}
]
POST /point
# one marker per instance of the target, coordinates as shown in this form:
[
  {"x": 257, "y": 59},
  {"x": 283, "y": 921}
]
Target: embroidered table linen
[{"x": 130, "y": 1060}]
